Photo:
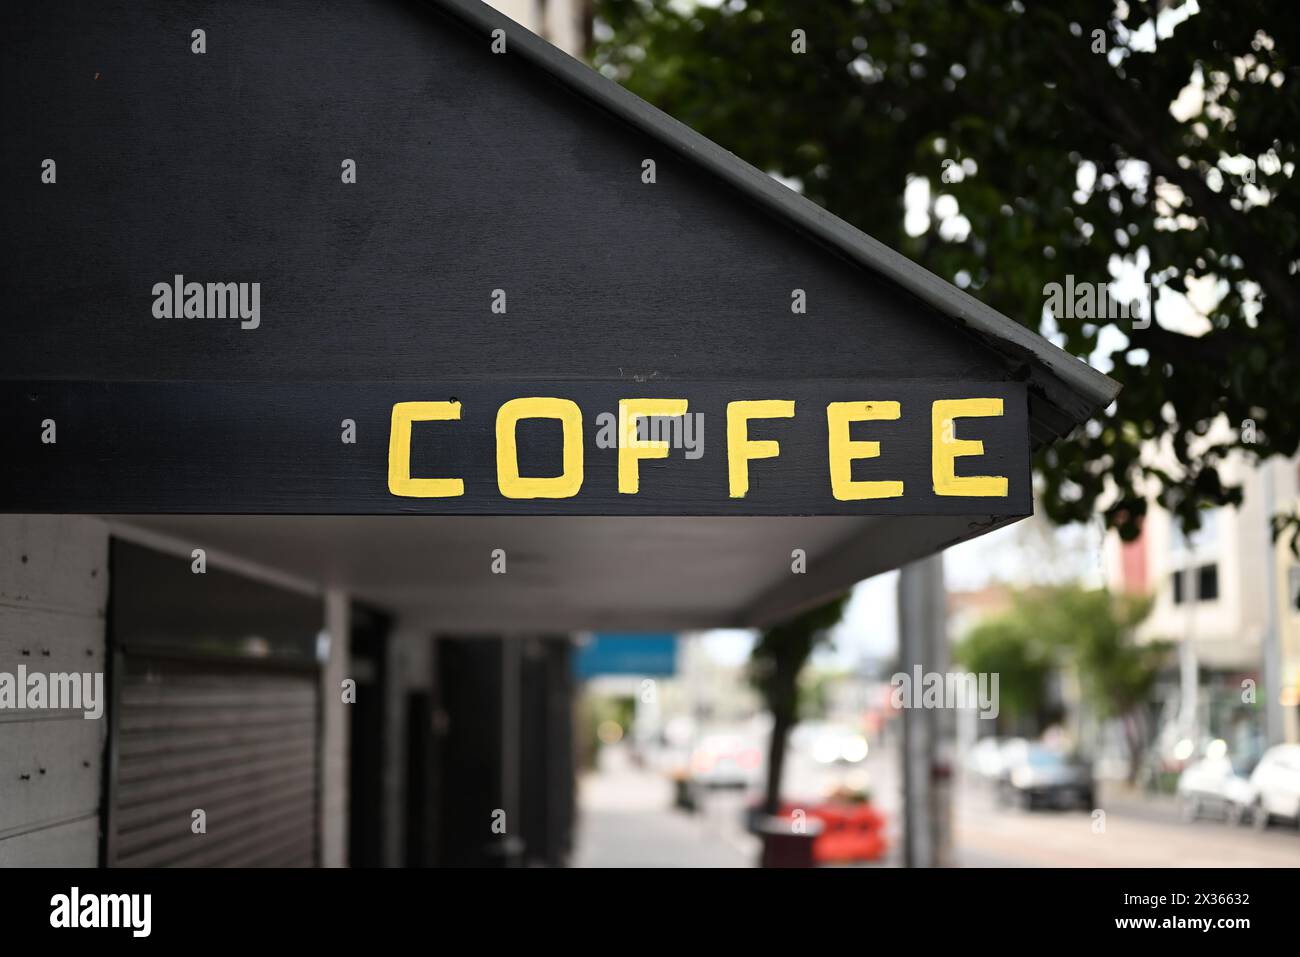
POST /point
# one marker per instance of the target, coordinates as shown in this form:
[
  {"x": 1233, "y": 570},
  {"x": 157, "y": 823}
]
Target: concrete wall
[{"x": 53, "y": 593}]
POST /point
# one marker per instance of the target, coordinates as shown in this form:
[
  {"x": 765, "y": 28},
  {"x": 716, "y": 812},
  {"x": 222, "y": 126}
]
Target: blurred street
[
  {"x": 626, "y": 816},
  {"x": 1138, "y": 833},
  {"x": 626, "y": 819}
]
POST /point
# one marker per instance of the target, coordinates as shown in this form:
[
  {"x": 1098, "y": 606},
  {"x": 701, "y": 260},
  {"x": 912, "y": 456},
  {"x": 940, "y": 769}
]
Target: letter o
[{"x": 509, "y": 481}]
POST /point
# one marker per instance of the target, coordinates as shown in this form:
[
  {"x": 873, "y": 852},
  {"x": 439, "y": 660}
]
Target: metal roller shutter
[{"x": 238, "y": 741}]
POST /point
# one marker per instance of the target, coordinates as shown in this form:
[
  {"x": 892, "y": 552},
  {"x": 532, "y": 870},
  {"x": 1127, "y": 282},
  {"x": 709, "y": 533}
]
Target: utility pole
[
  {"x": 1188, "y": 666},
  {"x": 927, "y": 733}
]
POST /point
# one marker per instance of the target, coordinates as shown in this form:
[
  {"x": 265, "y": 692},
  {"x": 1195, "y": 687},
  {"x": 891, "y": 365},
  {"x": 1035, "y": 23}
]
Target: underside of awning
[{"x": 561, "y": 573}]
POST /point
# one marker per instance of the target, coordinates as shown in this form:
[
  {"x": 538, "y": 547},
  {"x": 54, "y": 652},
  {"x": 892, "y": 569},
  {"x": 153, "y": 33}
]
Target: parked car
[
  {"x": 1038, "y": 776},
  {"x": 726, "y": 761},
  {"x": 1216, "y": 786},
  {"x": 1276, "y": 783}
]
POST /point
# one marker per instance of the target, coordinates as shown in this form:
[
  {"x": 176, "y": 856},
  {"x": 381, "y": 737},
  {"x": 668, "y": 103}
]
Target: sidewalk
[{"x": 626, "y": 819}]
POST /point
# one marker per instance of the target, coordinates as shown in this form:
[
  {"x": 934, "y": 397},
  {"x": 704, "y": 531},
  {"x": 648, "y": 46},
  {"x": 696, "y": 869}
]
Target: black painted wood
[
  {"x": 277, "y": 448},
  {"x": 474, "y": 173}
]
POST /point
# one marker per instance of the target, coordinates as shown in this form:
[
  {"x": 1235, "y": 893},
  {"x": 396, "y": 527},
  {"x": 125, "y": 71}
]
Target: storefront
[{"x": 215, "y": 716}]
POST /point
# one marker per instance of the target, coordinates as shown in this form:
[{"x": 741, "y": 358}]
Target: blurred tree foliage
[
  {"x": 1090, "y": 629},
  {"x": 1005, "y": 646},
  {"x": 1048, "y": 139}
]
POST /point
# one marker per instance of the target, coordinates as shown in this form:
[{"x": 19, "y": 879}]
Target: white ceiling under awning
[{"x": 562, "y": 574}]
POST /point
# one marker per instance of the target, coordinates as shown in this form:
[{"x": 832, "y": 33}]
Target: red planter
[{"x": 845, "y": 833}]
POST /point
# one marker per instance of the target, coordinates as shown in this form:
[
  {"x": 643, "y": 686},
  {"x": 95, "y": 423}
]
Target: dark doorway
[
  {"x": 421, "y": 777},
  {"x": 369, "y": 670},
  {"x": 470, "y": 789}
]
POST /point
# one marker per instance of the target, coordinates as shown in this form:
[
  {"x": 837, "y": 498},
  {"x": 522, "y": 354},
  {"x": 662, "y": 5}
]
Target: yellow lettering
[
  {"x": 399, "y": 451},
  {"x": 511, "y": 483},
  {"x": 740, "y": 450},
  {"x": 947, "y": 448},
  {"x": 631, "y": 449},
  {"x": 843, "y": 450}
]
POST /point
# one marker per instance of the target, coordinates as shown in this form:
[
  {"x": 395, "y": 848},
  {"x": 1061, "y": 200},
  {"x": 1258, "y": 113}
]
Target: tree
[
  {"x": 1117, "y": 673},
  {"x": 1091, "y": 629},
  {"x": 1047, "y": 140},
  {"x": 774, "y": 667},
  {"x": 1005, "y": 647}
]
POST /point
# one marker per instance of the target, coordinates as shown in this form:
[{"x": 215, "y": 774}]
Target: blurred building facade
[
  {"x": 565, "y": 23},
  {"x": 1220, "y": 597},
  {"x": 1287, "y": 599}
]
